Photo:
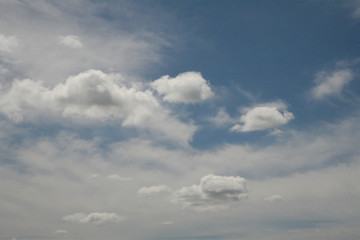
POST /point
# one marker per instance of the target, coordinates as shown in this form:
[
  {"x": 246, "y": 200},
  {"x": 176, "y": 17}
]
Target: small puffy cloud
[
  {"x": 95, "y": 218},
  {"x": 274, "y": 198},
  {"x": 93, "y": 96},
  {"x": 71, "y": 41},
  {"x": 188, "y": 87},
  {"x": 158, "y": 190},
  {"x": 8, "y": 43},
  {"x": 61, "y": 231},
  {"x": 330, "y": 83},
  {"x": 212, "y": 194},
  {"x": 263, "y": 117},
  {"x": 115, "y": 177}
]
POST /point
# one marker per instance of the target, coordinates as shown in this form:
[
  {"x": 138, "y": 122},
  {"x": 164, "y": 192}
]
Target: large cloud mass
[
  {"x": 93, "y": 95},
  {"x": 188, "y": 87}
]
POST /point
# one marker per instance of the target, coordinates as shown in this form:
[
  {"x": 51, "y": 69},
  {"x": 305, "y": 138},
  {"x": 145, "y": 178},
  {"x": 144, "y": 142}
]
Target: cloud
[
  {"x": 212, "y": 194},
  {"x": 331, "y": 83},
  {"x": 71, "y": 41},
  {"x": 61, "y": 231},
  {"x": 95, "y": 218},
  {"x": 222, "y": 118},
  {"x": 8, "y": 43},
  {"x": 263, "y": 117},
  {"x": 93, "y": 96},
  {"x": 274, "y": 198},
  {"x": 188, "y": 87},
  {"x": 115, "y": 177},
  {"x": 159, "y": 190}
]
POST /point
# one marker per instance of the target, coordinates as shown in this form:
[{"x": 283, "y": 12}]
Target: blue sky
[{"x": 179, "y": 120}]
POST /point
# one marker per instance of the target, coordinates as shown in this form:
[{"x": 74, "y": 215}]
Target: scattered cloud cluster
[
  {"x": 188, "y": 87},
  {"x": 331, "y": 83},
  {"x": 93, "y": 95},
  {"x": 95, "y": 218},
  {"x": 212, "y": 194},
  {"x": 262, "y": 117},
  {"x": 71, "y": 41}
]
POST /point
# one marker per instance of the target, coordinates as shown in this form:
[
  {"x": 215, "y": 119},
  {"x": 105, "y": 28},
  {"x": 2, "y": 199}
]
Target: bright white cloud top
[
  {"x": 263, "y": 117},
  {"x": 95, "y": 96},
  {"x": 188, "y": 87}
]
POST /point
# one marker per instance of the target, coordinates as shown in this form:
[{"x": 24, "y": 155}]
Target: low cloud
[
  {"x": 274, "y": 198},
  {"x": 188, "y": 87},
  {"x": 262, "y": 117},
  {"x": 61, "y": 231},
  {"x": 115, "y": 177},
  {"x": 212, "y": 194},
  {"x": 8, "y": 43},
  {"x": 71, "y": 41},
  {"x": 95, "y": 218},
  {"x": 159, "y": 190},
  {"x": 93, "y": 96},
  {"x": 331, "y": 83}
]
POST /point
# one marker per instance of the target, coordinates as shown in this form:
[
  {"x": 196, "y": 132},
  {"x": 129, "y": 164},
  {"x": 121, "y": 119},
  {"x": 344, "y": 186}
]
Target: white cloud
[
  {"x": 61, "y": 231},
  {"x": 71, "y": 41},
  {"x": 115, "y": 177},
  {"x": 331, "y": 83},
  {"x": 274, "y": 198},
  {"x": 8, "y": 43},
  {"x": 188, "y": 87},
  {"x": 159, "y": 190},
  {"x": 212, "y": 194},
  {"x": 263, "y": 117},
  {"x": 93, "y": 95},
  {"x": 222, "y": 118},
  {"x": 95, "y": 218}
]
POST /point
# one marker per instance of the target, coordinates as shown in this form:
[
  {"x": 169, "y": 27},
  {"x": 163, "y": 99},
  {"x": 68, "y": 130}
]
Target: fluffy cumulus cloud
[
  {"x": 263, "y": 117},
  {"x": 8, "y": 43},
  {"x": 158, "y": 190},
  {"x": 95, "y": 218},
  {"x": 93, "y": 95},
  {"x": 331, "y": 83},
  {"x": 71, "y": 41},
  {"x": 188, "y": 87},
  {"x": 212, "y": 194}
]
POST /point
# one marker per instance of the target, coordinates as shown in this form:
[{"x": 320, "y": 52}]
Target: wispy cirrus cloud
[{"x": 331, "y": 83}]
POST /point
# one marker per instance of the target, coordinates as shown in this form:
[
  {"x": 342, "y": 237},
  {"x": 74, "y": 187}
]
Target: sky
[{"x": 179, "y": 120}]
